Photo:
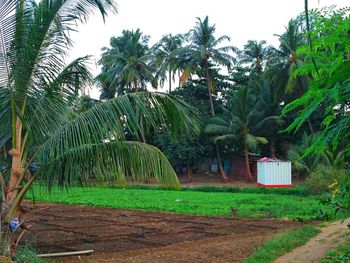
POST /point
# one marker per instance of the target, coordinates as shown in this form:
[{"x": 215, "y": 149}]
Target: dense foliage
[{"x": 270, "y": 100}]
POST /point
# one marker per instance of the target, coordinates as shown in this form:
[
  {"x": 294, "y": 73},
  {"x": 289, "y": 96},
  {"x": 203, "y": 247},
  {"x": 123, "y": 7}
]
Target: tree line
[{"x": 241, "y": 94}]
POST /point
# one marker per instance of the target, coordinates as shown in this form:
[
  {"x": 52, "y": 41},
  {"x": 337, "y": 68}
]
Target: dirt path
[
  {"x": 118, "y": 235},
  {"x": 331, "y": 236}
]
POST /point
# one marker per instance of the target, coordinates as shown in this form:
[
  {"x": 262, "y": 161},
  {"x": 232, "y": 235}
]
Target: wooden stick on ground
[{"x": 62, "y": 254}]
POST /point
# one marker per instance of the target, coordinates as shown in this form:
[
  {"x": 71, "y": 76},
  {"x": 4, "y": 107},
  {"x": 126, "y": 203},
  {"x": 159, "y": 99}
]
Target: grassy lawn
[{"x": 251, "y": 205}]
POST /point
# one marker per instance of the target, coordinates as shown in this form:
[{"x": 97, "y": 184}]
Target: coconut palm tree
[
  {"x": 38, "y": 127},
  {"x": 203, "y": 52},
  {"x": 255, "y": 54},
  {"x": 126, "y": 66},
  {"x": 241, "y": 124},
  {"x": 269, "y": 104},
  {"x": 287, "y": 60},
  {"x": 166, "y": 60},
  {"x": 286, "y": 56}
]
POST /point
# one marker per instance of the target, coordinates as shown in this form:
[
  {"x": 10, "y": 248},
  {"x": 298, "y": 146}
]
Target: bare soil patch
[{"x": 118, "y": 235}]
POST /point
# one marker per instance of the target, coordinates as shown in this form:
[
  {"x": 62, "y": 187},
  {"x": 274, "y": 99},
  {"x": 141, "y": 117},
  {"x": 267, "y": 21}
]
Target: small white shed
[{"x": 274, "y": 173}]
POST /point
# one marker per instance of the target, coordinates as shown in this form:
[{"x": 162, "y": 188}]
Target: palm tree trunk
[
  {"x": 136, "y": 88},
  {"x": 142, "y": 130},
  {"x": 222, "y": 171},
  {"x": 16, "y": 169},
  {"x": 212, "y": 110},
  {"x": 272, "y": 149},
  {"x": 247, "y": 166},
  {"x": 189, "y": 173},
  {"x": 169, "y": 77}
]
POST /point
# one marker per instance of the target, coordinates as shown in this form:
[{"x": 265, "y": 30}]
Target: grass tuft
[
  {"x": 27, "y": 254},
  {"x": 282, "y": 244},
  {"x": 339, "y": 255}
]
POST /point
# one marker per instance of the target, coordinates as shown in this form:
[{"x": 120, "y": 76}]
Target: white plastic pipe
[{"x": 62, "y": 254}]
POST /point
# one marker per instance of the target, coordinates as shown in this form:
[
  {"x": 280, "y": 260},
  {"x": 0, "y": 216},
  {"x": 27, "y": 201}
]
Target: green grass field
[{"x": 250, "y": 205}]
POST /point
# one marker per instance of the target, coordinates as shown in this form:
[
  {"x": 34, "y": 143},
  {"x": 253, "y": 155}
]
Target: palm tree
[
  {"x": 38, "y": 126},
  {"x": 288, "y": 60},
  {"x": 166, "y": 59},
  {"x": 126, "y": 66},
  {"x": 241, "y": 124},
  {"x": 307, "y": 163},
  {"x": 255, "y": 55},
  {"x": 203, "y": 52},
  {"x": 269, "y": 104}
]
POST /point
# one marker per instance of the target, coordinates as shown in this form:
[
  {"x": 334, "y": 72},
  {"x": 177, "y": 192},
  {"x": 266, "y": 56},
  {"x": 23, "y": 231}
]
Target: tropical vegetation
[
  {"x": 286, "y": 102},
  {"x": 43, "y": 138}
]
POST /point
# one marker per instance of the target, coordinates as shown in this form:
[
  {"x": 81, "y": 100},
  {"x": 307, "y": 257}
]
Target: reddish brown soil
[{"x": 138, "y": 236}]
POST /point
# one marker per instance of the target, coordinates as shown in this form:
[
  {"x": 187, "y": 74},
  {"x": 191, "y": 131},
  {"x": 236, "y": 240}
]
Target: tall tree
[
  {"x": 37, "y": 122},
  {"x": 254, "y": 54},
  {"x": 328, "y": 88},
  {"x": 289, "y": 61},
  {"x": 166, "y": 60},
  {"x": 203, "y": 52},
  {"x": 269, "y": 104},
  {"x": 241, "y": 124},
  {"x": 287, "y": 58},
  {"x": 127, "y": 65}
]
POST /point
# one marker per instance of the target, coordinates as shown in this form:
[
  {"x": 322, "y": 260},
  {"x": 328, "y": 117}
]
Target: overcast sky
[{"x": 242, "y": 20}]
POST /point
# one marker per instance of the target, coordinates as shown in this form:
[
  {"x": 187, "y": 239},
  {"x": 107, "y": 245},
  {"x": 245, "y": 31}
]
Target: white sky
[{"x": 242, "y": 20}]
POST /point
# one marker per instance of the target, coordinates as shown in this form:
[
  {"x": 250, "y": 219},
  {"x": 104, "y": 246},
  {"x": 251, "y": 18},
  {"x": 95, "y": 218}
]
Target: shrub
[{"x": 319, "y": 181}]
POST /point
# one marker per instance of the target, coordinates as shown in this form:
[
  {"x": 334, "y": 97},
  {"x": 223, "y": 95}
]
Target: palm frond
[
  {"x": 112, "y": 120},
  {"x": 42, "y": 39},
  {"x": 7, "y": 31},
  {"x": 225, "y": 138},
  {"x": 218, "y": 121},
  {"x": 216, "y": 129},
  {"x": 113, "y": 162}
]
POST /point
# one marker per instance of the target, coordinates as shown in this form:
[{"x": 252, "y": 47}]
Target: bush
[{"x": 319, "y": 182}]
